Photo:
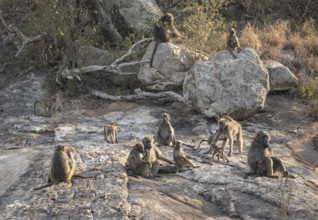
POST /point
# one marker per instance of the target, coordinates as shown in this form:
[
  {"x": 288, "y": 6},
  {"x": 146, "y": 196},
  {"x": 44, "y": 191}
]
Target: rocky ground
[{"x": 216, "y": 191}]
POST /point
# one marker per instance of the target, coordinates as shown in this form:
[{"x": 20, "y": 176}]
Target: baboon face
[
  {"x": 166, "y": 116},
  {"x": 263, "y": 138},
  {"x": 139, "y": 147},
  {"x": 167, "y": 19},
  {"x": 232, "y": 32},
  {"x": 222, "y": 124},
  {"x": 60, "y": 148},
  {"x": 178, "y": 144},
  {"x": 147, "y": 141}
]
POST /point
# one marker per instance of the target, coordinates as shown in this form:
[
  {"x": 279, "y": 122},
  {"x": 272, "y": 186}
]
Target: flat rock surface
[{"x": 213, "y": 191}]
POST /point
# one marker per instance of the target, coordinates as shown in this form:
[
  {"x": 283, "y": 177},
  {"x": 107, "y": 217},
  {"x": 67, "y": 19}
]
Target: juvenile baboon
[
  {"x": 44, "y": 107},
  {"x": 112, "y": 132},
  {"x": 58, "y": 102},
  {"x": 62, "y": 166},
  {"x": 164, "y": 31},
  {"x": 261, "y": 151},
  {"x": 209, "y": 140},
  {"x": 151, "y": 146},
  {"x": 279, "y": 169},
  {"x": 230, "y": 129},
  {"x": 179, "y": 157},
  {"x": 136, "y": 164},
  {"x": 233, "y": 44},
  {"x": 218, "y": 151},
  {"x": 165, "y": 134}
]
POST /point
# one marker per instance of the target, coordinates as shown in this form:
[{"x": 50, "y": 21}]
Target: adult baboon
[
  {"x": 230, "y": 129},
  {"x": 112, "y": 132},
  {"x": 164, "y": 31},
  {"x": 179, "y": 157},
  {"x": 165, "y": 134},
  {"x": 62, "y": 166},
  {"x": 233, "y": 44},
  {"x": 261, "y": 151},
  {"x": 136, "y": 164}
]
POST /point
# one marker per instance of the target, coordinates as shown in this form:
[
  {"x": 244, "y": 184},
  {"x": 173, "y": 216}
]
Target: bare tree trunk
[{"x": 104, "y": 16}]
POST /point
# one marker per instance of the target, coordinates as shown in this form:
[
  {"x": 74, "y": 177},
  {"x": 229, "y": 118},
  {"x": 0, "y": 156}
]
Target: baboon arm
[{"x": 165, "y": 159}]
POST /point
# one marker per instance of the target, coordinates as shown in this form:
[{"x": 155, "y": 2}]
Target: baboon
[
  {"x": 136, "y": 164},
  {"x": 112, "y": 132},
  {"x": 47, "y": 107},
  {"x": 62, "y": 166},
  {"x": 149, "y": 144},
  {"x": 44, "y": 107},
  {"x": 261, "y": 151},
  {"x": 58, "y": 102},
  {"x": 164, "y": 31},
  {"x": 279, "y": 169},
  {"x": 165, "y": 134},
  {"x": 218, "y": 151},
  {"x": 230, "y": 129},
  {"x": 233, "y": 44},
  {"x": 209, "y": 140},
  {"x": 179, "y": 157}
]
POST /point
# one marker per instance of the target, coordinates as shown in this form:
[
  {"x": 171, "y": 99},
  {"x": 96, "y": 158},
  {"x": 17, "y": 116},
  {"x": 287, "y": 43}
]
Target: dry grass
[{"x": 297, "y": 49}]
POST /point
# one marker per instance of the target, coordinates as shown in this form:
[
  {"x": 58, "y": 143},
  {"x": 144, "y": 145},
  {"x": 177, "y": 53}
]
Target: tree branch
[
  {"x": 25, "y": 40},
  {"x": 113, "y": 68},
  {"x": 130, "y": 51}
]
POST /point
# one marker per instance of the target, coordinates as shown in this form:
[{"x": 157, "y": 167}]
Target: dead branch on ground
[{"x": 140, "y": 95}]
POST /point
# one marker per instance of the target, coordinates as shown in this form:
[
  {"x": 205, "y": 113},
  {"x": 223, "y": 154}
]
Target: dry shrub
[
  {"x": 275, "y": 35},
  {"x": 313, "y": 110},
  {"x": 295, "y": 40},
  {"x": 250, "y": 38}
]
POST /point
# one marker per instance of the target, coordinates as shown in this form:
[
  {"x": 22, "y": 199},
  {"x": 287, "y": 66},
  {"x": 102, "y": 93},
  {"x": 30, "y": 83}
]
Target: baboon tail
[
  {"x": 153, "y": 53},
  {"x": 200, "y": 144},
  {"x": 47, "y": 185},
  {"x": 34, "y": 107}
]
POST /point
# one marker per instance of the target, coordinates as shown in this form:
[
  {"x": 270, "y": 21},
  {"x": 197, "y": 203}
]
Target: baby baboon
[
  {"x": 218, "y": 151},
  {"x": 230, "y": 129},
  {"x": 44, "y": 107},
  {"x": 261, "y": 151},
  {"x": 112, "y": 132},
  {"x": 279, "y": 169},
  {"x": 164, "y": 31},
  {"x": 165, "y": 134},
  {"x": 179, "y": 157},
  {"x": 136, "y": 164},
  {"x": 233, "y": 45},
  {"x": 62, "y": 166}
]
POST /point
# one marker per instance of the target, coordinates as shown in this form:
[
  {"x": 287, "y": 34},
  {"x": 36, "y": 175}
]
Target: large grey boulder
[
  {"x": 280, "y": 77},
  {"x": 227, "y": 86},
  {"x": 138, "y": 14},
  {"x": 88, "y": 55},
  {"x": 170, "y": 65}
]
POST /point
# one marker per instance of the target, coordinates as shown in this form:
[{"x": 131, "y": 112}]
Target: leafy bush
[{"x": 203, "y": 25}]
